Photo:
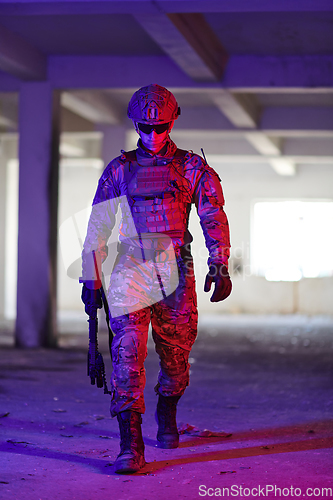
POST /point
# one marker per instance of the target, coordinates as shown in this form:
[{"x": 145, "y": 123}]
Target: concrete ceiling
[
  {"x": 253, "y": 79},
  {"x": 284, "y": 33},
  {"x": 96, "y": 34}
]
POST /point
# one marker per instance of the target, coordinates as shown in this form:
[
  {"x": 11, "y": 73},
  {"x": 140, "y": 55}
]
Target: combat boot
[
  {"x": 167, "y": 434},
  {"x": 131, "y": 457}
]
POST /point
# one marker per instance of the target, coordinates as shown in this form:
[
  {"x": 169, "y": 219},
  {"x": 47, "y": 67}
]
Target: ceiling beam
[
  {"x": 214, "y": 159},
  {"x": 9, "y": 83},
  {"x": 189, "y": 41},
  {"x": 244, "y": 71},
  {"x": 7, "y": 122},
  {"x": 243, "y": 5},
  {"x": 19, "y": 58},
  {"x": 236, "y": 134},
  {"x": 241, "y": 109},
  {"x": 264, "y": 144},
  {"x": 203, "y": 40},
  {"x": 33, "y": 7},
  {"x": 93, "y": 106},
  {"x": 268, "y": 146},
  {"x": 248, "y": 71},
  {"x": 293, "y": 121},
  {"x": 8, "y": 110},
  {"x": 283, "y": 166}
]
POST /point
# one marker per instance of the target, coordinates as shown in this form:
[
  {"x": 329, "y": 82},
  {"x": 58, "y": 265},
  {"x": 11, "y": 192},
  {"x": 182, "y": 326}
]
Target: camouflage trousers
[{"x": 174, "y": 328}]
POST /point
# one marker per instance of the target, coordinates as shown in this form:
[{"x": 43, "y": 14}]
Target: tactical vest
[{"x": 158, "y": 195}]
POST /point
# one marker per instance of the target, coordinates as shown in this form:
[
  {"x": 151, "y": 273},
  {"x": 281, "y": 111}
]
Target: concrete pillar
[
  {"x": 114, "y": 139},
  {"x": 38, "y": 196}
]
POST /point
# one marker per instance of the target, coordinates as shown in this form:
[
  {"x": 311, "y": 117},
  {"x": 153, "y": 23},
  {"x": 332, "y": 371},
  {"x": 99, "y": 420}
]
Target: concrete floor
[{"x": 265, "y": 380}]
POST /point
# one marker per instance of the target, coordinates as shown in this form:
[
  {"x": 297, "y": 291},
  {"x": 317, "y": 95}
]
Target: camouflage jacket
[{"x": 155, "y": 193}]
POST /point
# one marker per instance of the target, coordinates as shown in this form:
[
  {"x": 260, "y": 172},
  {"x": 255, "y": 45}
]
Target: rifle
[{"x": 95, "y": 362}]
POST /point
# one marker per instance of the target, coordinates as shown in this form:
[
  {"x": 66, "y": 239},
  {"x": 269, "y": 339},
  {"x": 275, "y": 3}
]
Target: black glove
[
  {"x": 92, "y": 299},
  {"x": 218, "y": 273}
]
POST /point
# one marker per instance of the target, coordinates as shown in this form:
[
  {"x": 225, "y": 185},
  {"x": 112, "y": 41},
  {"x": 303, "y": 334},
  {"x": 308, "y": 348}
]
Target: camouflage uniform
[{"x": 159, "y": 189}]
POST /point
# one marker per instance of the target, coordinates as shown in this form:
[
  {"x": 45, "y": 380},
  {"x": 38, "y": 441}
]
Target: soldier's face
[{"x": 154, "y": 138}]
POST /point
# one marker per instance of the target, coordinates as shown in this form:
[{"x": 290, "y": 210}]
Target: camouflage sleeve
[
  {"x": 101, "y": 222},
  {"x": 209, "y": 202}
]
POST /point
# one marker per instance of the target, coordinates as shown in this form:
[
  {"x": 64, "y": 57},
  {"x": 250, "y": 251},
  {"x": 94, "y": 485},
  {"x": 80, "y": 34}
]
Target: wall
[
  {"x": 77, "y": 186},
  {"x": 8, "y": 224},
  {"x": 3, "y": 183},
  {"x": 242, "y": 185}
]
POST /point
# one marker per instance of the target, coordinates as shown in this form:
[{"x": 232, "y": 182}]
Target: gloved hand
[
  {"x": 92, "y": 299},
  {"x": 218, "y": 273}
]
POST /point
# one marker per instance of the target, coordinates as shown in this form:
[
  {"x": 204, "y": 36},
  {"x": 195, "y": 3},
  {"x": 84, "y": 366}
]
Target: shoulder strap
[
  {"x": 130, "y": 166},
  {"x": 180, "y": 153},
  {"x": 129, "y": 155}
]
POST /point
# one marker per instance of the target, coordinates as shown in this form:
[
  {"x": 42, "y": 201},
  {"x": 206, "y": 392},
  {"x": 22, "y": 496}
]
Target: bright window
[{"x": 292, "y": 239}]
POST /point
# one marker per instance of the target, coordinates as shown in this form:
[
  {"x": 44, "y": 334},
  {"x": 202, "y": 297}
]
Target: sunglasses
[{"x": 159, "y": 129}]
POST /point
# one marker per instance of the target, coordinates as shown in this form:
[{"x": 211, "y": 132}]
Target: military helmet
[{"x": 153, "y": 104}]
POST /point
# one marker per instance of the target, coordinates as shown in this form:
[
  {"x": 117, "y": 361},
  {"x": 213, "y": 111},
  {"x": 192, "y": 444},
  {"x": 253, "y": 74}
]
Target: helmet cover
[{"x": 153, "y": 104}]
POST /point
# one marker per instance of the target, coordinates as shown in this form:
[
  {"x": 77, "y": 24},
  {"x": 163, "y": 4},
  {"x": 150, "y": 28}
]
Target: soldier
[{"x": 155, "y": 186}]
